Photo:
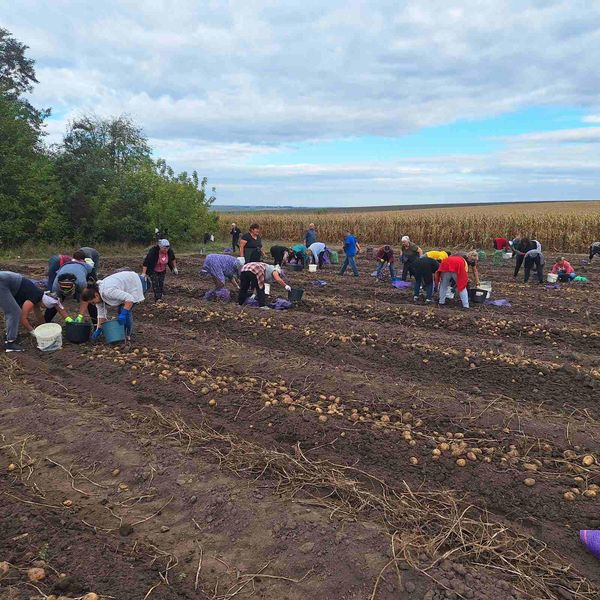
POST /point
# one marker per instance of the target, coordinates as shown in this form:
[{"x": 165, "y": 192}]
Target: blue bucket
[{"x": 113, "y": 331}]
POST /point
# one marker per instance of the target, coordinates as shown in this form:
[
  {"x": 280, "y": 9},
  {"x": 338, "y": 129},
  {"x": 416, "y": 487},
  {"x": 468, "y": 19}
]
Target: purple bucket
[{"x": 590, "y": 538}]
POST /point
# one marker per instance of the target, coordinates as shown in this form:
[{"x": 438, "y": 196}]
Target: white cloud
[{"x": 217, "y": 84}]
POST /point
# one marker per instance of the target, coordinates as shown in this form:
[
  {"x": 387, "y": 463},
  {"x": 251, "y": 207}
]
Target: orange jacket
[{"x": 454, "y": 264}]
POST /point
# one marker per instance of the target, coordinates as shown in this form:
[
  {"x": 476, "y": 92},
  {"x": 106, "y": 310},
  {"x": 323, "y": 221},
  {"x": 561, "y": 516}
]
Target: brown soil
[{"x": 315, "y": 475}]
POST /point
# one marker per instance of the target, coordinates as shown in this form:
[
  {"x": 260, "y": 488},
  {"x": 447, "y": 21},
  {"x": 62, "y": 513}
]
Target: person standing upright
[
  {"x": 235, "y": 233},
  {"x": 351, "y": 248},
  {"x": 310, "y": 237},
  {"x": 251, "y": 247},
  {"x": 155, "y": 265}
]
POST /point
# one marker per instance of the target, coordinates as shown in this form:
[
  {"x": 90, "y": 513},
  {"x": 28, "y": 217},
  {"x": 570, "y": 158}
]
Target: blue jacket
[{"x": 350, "y": 245}]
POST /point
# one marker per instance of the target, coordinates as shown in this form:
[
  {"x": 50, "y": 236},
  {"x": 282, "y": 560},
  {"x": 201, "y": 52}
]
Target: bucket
[
  {"x": 48, "y": 337},
  {"x": 507, "y": 255},
  {"x": 312, "y": 268},
  {"x": 477, "y": 295},
  {"x": 113, "y": 331},
  {"x": 487, "y": 286},
  {"x": 267, "y": 288},
  {"x": 295, "y": 294},
  {"x": 297, "y": 267},
  {"x": 552, "y": 277},
  {"x": 334, "y": 257},
  {"x": 78, "y": 333}
]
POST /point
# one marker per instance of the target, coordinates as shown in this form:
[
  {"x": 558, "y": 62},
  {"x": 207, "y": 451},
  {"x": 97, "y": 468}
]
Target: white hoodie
[{"x": 118, "y": 288}]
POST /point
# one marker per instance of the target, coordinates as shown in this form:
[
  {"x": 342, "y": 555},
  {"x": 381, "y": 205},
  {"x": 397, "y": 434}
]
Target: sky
[{"x": 337, "y": 103}]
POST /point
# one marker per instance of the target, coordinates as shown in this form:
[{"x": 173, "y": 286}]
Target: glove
[
  {"x": 79, "y": 318},
  {"x": 288, "y": 288},
  {"x": 122, "y": 318},
  {"x": 69, "y": 320},
  {"x": 176, "y": 271},
  {"x": 97, "y": 333},
  {"x": 32, "y": 332}
]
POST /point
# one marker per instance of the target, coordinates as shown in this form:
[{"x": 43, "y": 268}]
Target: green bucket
[{"x": 335, "y": 258}]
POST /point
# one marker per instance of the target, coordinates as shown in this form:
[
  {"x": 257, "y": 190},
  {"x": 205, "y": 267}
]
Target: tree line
[{"x": 100, "y": 184}]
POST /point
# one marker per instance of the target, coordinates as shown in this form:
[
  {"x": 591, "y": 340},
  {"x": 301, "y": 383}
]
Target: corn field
[{"x": 560, "y": 227}]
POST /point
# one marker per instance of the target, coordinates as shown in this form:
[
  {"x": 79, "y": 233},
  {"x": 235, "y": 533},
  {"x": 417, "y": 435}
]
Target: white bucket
[
  {"x": 552, "y": 277},
  {"x": 267, "y": 288},
  {"x": 48, "y": 337},
  {"x": 487, "y": 286},
  {"x": 312, "y": 268},
  {"x": 507, "y": 255}
]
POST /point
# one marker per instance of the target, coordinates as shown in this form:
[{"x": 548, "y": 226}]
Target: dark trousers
[
  {"x": 407, "y": 270},
  {"x": 426, "y": 280},
  {"x": 158, "y": 284},
  {"x": 53, "y": 267},
  {"x": 235, "y": 242},
  {"x": 518, "y": 262},
  {"x": 531, "y": 262},
  {"x": 249, "y": 282}
]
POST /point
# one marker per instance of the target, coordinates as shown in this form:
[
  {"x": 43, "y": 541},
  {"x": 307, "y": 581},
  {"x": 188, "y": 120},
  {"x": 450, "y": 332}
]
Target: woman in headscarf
[
  {"x": 410, "y": 252},
  {"x": 253, "y": 276},
  {"x": 453, "y": 269},
  {"x": 155, "y": 265},
  {"x": 222, "y": 268},
  {"x": 123, "y": 289},
  {"x": 19, "y": 297}
]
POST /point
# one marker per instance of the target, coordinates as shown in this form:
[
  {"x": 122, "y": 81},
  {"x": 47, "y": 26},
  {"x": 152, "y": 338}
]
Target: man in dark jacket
[
  {"x": 157, "y": 260},
  {"x": 235, "y": 233}
]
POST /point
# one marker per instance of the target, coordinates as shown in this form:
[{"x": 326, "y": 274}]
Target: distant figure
[
  {"x": 280, "y": 254},
  {"x": 502, "y": 244},
  {"x": 529, "y": 253},
  {"x": 310, "y": 237},
  {"x": 564, "y": 270},
  {"x": 410, "y": 252},
  {"x": 235, "y": 233},
  {"x": 351, "y": 248},
  {"x": 594, "y": 249},
  {"x": 155, "y": 265},
  {"x": 385, "y": 257},
  {"x": 93, "y": 255},
  {"x": 208, "y": 238}
]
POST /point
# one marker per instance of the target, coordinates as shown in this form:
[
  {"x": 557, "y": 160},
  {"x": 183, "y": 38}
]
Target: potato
[
  {"x": 414, "y": 460},
  {"x": 569, "y": 496},
  {"x": 461, "y": 462},
  {"x": 590, "y": 493},
  {"x": 322, "y": 418},
  {"x": 212, "y": 402},
  {"x": 68, "y": 503},
  {"x": 529, "y": 482},
  {"x": 11, "y": 467},
  {"x": 588, "y": 460},
  {"x": 91, "y": 596},
  {"x": 4, "y": 568},
  {"x": 36, "y": 574}
]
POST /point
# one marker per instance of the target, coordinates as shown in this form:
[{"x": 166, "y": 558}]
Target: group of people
[{"x": 76, "y": 276}]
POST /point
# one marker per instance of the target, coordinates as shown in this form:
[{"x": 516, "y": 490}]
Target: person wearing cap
[
  {"x": 235, "y": 233},
  {"x": 19, "y": 297},
  {"x": 410, "y": 252},
  {"x": 123, "y": 289},
  {"x": 159, "y": 257},
  {"x": 453, "y": 269},
  {"x": 253, "y": 276},
  {"x": 310, "y": 236},
  {"x": 316, "y": 253},
  {"x": 71, "y": 279},
  {"x": 385, "y": 257},
  {"x": 222, "y": 268}
]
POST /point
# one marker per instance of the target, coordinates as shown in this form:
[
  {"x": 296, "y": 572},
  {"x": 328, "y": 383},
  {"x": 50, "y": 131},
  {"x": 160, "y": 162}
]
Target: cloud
[{"x": 218, "y": 85}]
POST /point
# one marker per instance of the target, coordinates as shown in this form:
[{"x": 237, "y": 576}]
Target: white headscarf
[
  {"x": 405, "y": 238},
  {"x": 163, "y": 243}
]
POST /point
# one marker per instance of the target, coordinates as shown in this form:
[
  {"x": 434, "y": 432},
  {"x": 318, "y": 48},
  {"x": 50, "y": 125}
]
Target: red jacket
[
  {"x": 501, "y": 243},
  {"x": 458, "y": 265}
]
